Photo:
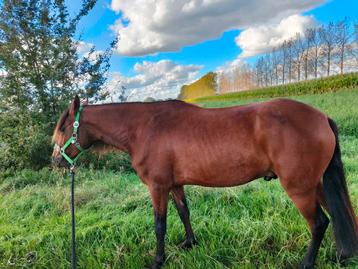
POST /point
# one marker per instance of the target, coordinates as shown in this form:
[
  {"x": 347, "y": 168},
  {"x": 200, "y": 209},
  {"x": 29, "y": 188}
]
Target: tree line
[{"x": 321, "y": 51}]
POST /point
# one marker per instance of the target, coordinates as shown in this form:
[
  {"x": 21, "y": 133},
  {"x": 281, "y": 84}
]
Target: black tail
[{"x": 339, "y": 205}]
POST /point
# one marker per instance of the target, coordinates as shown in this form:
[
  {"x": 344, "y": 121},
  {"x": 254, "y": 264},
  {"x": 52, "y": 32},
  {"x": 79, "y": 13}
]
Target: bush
[
  {"x": 25, "y": 145},
  {"x": 28, "y": 177},
  {"x": 115, "y": 161},
  {"x": 40, "y": 151},
  {"x": 16, "y": 139}
]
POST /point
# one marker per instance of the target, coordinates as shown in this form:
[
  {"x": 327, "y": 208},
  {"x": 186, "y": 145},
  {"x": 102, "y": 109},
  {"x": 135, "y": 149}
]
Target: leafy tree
[
  {"x": 38, "y": 53},
  {"x": 41, "y": 70},
  {"x": 205, "y": 86}
]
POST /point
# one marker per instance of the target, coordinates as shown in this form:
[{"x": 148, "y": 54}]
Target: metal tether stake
[{"x": 73, "y": 260}]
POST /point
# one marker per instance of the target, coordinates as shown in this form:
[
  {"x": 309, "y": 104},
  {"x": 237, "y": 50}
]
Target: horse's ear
[{"x": 75, "y": 106}]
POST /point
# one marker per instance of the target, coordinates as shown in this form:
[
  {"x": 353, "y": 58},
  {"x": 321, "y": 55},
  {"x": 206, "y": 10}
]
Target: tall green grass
[{"x": 250, "y": 226}]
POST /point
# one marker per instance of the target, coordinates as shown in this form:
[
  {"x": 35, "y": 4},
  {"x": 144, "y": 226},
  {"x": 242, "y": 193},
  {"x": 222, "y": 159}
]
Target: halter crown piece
[{"x": 74, "y": 139}]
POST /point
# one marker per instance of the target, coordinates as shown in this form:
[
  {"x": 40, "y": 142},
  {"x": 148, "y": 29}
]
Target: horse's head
[{"x": 70, "y": 138}]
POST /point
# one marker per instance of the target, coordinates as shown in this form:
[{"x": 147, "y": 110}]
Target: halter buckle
[
  {"x": 75, "y": 136},
  {"x": 76, "y": 124}
]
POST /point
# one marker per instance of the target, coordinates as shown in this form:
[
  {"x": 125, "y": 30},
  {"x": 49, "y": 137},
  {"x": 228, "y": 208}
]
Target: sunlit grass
[{"x": 251, "y": 226}]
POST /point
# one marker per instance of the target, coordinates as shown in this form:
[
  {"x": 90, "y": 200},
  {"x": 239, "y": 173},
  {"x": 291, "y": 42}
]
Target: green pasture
[{"x": 250, "y": 226}]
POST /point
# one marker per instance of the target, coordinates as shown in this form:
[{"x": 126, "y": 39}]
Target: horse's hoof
[
  {"x": 188, "y": 243},
  {"x": 306, "y": 266},
  {"x": 156, "y": 265}
]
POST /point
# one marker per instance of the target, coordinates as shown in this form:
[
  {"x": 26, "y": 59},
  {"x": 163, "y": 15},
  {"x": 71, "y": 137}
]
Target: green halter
[{"x": 73, "y": 140}]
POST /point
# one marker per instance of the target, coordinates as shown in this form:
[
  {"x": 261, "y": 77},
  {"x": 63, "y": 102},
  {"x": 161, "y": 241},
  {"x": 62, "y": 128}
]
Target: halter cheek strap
[{"x": 73, "y": 140}]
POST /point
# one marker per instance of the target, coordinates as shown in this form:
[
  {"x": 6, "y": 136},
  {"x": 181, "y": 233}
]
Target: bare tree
[
  {"x": 275, "y": 62},
  {"x": 269, "y": 68},
  {"x": 242, "y": 78},
  {"x": 299, "y": 49},
  {"x": 307, "y": 47},
  {"x": 236, "y": 79},
  {"x": 328, "y": 39},
  {"x": 248, "y": 78},
  {"x": 290, "y": 50},
  {"x": 312, "y": 35},
  {"x": 259, "y": 71},
  {"x": 355, "y": 42},
  {"x": 343, "y": 36},
  {"x": 283, "y": 54},
  {"x": 301, "y": 57},
  {"x": 224, "y": 83}
]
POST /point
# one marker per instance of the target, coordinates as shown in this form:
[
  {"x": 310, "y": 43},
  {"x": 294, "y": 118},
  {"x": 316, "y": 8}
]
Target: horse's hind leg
[
  {"x": 308, "y": 204},
  {"x": 183, "y": 211},
  {"x": 160, "y": 202},
  {"x": 320, "y": 225}
]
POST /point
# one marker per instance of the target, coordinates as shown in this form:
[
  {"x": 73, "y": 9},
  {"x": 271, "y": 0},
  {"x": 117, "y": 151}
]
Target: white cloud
[
  {"x": 83, "y": 47},
  {"x": 3, "y": 73},
  {"x": 94, "y": 56},
  {"x": 84, "y": 50},
  {"x": 148, "y": 27},
  {"x": 230, "y": 66},
  {"x": 261, "y": 39},
  {"x": 160, "y": 80}
]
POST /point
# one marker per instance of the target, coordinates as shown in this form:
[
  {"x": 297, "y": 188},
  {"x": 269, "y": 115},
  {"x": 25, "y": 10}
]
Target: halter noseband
[{"x": 74, "y": 139}]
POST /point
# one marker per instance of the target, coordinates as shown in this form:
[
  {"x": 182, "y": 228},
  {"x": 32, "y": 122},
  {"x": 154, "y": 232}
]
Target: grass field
[
  {"x": 314, "y": 86},
  {"x": 251, "y": 226}
]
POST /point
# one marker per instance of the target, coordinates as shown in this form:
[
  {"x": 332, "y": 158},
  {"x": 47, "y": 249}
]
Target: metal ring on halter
[
  {"x": 72, "y": 168},
  {"x": 76, "y": 124}
]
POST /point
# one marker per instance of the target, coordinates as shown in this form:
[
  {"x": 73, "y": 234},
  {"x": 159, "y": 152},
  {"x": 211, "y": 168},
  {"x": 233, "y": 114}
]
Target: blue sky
[{"x": 213, "y": 44}]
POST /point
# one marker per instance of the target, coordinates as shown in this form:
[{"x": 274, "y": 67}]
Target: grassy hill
[
  {"x": 250, "y": 226},
  {"x": 315, "y": 86},
  {"x": 205, "y": 86}
]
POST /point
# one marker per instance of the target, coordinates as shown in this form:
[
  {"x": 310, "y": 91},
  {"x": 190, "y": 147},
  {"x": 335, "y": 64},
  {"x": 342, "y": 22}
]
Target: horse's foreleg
[
  {"x": 183, "y": 211},
  {"x": 308, "y": 204},
  {"x": 160, "y": 202}
]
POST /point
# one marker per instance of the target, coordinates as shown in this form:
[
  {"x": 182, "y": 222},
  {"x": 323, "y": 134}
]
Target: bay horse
[{"x": 173, "y": 143}]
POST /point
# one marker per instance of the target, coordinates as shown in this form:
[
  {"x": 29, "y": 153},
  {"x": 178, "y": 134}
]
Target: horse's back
[{"x": 231, "y": 146}]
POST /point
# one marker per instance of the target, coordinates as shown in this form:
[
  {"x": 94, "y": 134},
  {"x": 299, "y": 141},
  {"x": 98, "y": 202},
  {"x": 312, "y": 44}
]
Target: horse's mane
[
  {"x": 102, "y": 148},
  {"x": 59, "y": 125}
]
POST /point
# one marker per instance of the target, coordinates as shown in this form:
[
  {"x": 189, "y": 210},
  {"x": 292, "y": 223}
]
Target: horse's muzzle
[{"x": 58, "y": 161}]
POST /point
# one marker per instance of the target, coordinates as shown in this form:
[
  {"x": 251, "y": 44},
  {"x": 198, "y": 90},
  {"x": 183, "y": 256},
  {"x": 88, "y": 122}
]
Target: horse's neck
[{"x": 115, "y": 125}]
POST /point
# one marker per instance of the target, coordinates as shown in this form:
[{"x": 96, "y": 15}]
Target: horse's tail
[{"x": 340, "y": 208}]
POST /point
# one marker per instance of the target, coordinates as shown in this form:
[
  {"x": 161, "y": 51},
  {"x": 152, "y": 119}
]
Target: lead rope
[
  {"x": 72, "y": 161},
  {"x": 73, "y": 258}
]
